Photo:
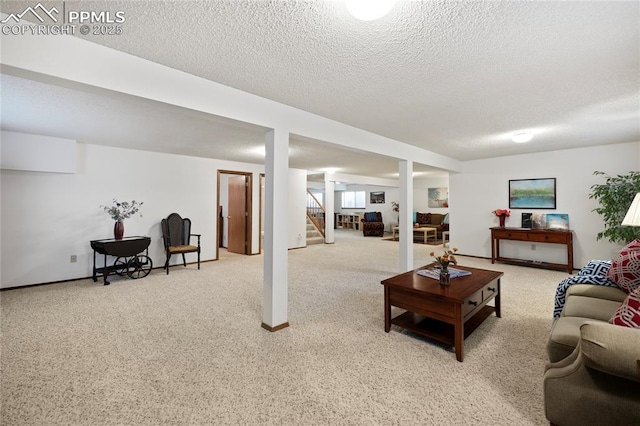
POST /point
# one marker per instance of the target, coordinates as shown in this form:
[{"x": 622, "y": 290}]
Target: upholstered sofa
[
  {"x": 593, "y": 375},
  {"x": 433, "y": 220},
  {"x": 372, "y": 224}
]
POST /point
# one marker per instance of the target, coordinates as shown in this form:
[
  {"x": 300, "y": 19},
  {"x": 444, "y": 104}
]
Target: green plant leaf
[{"x": 615, "y": 196}]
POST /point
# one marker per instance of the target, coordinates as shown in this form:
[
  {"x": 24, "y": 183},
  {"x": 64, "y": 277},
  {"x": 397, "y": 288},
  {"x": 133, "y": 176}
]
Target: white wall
[
  {"x": 390, "y": 194},
  {"x": 483, "y": 187},
  {"x": 297, "y": 209},
  {"x": 421, "y": 194},
  {"x": 420, "y": 198},
  {"x": 47, "y": 217}
]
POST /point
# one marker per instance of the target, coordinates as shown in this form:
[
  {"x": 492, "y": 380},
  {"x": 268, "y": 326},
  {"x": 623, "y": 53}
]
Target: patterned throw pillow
[
  {"x": 625, "y": 270},
  {"x": 628, "y": 314},
  {"x": 423, "y": 218},
  {"x": 633, "y": 245},
  {"x": 596, "y": 267}
]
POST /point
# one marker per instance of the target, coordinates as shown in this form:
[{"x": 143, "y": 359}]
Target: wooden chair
[{"x": 176, "y": 234}]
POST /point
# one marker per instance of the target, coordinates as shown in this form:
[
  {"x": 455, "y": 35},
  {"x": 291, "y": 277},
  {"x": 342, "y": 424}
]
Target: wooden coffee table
[
  {"x": 447, "y": 314},
  {"x": 425, "y": 230}
]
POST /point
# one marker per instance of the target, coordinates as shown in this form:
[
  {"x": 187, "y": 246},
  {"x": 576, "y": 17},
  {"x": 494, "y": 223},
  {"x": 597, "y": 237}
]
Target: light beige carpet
[{"x": 188, "y": 348}]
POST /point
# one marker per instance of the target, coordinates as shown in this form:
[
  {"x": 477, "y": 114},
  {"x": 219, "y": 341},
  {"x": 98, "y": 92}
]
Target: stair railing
[{"x": 315, "y": 212}]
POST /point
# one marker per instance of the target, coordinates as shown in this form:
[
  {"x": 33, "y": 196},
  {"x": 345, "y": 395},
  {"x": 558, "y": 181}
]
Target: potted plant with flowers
[
  {"x": 119, "y": 211},
  {"x": 447, "y": 257},
  {"x": 502, "y": 215}
]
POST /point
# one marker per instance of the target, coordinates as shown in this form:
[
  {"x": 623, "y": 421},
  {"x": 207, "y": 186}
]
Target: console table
[{"x": 532, "y": 236}]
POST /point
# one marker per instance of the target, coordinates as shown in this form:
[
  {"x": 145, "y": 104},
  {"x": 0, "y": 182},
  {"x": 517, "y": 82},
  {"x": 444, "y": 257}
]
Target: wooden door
[{"x": 237, "y": 217}]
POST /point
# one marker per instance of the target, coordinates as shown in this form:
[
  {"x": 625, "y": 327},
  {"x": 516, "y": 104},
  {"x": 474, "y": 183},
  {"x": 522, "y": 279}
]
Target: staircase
[
  {"x": 315, "y": 220},
  {"x": 313, "y": 235}
]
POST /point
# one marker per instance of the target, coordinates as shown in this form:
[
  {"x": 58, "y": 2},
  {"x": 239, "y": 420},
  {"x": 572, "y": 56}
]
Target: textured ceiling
[{"x": 453, "y": 77}]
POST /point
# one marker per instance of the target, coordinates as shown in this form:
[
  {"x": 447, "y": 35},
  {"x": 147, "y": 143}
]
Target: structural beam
[
  {"x": 405, "y": 216},
  {"x": 90, "y": 66},
  {"x": 276, "y": 287},
  {"x": 329, "y": 208}
]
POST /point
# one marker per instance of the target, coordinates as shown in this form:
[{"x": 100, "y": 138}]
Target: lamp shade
[{"x": 633, "y": 214}]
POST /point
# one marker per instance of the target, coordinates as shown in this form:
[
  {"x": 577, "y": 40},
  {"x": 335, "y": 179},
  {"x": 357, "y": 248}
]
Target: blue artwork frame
[{"x": 532, "y": 193}]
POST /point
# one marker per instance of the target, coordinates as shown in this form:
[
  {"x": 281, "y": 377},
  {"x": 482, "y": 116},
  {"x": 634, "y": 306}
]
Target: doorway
[
  {"x": 235, "y": 206},
  {"x": 262, "y": 183}
]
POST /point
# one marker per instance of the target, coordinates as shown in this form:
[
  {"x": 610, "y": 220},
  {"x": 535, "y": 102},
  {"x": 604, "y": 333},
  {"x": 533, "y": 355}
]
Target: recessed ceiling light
[
  {"x": 522, "y": 137},
  {"x": 330, "y": 170},
  {"x": 368, "y": 10}
]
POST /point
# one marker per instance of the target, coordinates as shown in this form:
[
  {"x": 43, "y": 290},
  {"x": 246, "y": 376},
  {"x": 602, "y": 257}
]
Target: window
[{"x": 353, "y": 199}]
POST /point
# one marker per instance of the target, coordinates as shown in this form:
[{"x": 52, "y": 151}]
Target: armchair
[
  {"x": 599, "y": 383},
  {"x": 176, "y": 235},
  {"x": 372, "y": 224}
]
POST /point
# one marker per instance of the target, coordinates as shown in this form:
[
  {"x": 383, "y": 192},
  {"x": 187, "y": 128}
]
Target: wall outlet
[
  {"x": 533, "y": 247},
  {"x": 74, "y": 258}
]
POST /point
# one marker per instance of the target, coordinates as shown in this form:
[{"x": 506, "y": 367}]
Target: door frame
[
  {"x": 262, "y": 184},
  {"x": 249, "y": 202}
]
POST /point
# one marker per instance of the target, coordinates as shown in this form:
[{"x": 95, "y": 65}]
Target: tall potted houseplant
[{"x": 615, "y": 196}]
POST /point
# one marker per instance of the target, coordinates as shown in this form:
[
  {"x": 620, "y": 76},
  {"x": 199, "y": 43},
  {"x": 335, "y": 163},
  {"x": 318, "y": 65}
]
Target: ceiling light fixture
[
  {"x": 368, "y": 10},
  {"x": 522, "y": 137}
]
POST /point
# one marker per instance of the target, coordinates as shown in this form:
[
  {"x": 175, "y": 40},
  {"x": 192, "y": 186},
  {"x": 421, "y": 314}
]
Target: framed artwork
[
  {"x": 526, "y": 220},
  {"x": 438, "y": 197},
  {"x": 538, "y": 221},
  {"x": 376, "y": 197},
  {"x": 557, "y": 222},
  {"x": 549, "y": 221},
  {"x": 532, "y": 193}
]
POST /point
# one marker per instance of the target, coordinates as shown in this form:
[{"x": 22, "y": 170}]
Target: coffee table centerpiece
[{"x": 444, "y": 261}]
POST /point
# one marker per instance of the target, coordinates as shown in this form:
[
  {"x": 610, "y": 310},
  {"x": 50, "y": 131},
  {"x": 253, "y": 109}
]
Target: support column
[
  {"x": 405, "y": 217},
  {"x": 329, "y": 208},
  {"x": 275, "y": 290}
]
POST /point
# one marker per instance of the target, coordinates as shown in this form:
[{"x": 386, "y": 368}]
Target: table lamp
[{"x": 633, "y": 214}]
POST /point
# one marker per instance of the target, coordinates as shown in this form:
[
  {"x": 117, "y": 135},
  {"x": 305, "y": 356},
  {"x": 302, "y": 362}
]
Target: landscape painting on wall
[
  {"x": 549, "y": 221},
  {"x": 532, "y": 193},
  {"x": 438, "y": 197},
  {"x": 557, "y": 222}
]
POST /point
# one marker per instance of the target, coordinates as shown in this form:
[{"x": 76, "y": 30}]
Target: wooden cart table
[
  {"x": 447, "y": 314},
  {"x": 127, "y": 252}
]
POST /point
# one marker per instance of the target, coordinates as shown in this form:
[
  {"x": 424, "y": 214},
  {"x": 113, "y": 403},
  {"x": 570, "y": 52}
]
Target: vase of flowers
[
  {"x": 502, "y": 215},
  {"x": 444, "y": 261},
  {"x": 119, "y": 211}
]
